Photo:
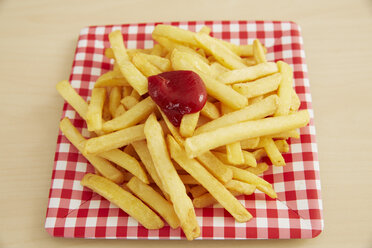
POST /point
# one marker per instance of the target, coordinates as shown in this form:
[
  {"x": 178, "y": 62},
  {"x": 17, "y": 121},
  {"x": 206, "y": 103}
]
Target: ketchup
[{"x": 177, "y": 93}]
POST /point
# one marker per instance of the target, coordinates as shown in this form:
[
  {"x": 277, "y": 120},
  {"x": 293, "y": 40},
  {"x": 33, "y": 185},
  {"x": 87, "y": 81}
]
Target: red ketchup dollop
[{"x": 177, "y": 93}]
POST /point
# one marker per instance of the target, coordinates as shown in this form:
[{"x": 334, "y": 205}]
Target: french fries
[
  {"x": 214, "y": 154},
  {"x": 124, "y": 200},
  {"x": 170, "y": 179}
]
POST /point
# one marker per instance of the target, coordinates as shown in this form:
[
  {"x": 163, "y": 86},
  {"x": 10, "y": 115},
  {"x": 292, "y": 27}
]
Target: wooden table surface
[{"x": 37, "y": 42}]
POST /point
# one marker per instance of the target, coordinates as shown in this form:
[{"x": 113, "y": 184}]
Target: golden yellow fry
[
  {"x": 129, "y": 71},
  {"x": 127, "y": 91},
  {"x": 188, "y": 124},
  {"x": 282, "y": 145},
  {"x": 234, "y": 153},
  {"x": 259, "y": 87},
  {"x": 101, "y": 165},
  {"x": 170, "y": 45},
  {"x": 173, "y": 130},
  {"x": 144, "y": 154},
  {"x": 247, "y": 50},
  {"x": 170, "y": 179},
  {"x": 161, "y": 63},
  {"x": 250, "y": 143},
  {"x": 295, "y": 101},
  {"x": 129, "y": 102},
  {"x": 111, "y": 79},
  {"x": 272, "y": 151},
  {"x": 256, "y": 99},
  {"x": 203, "y": 142},
  {"x": 129, "y": 149},
  {"x": 248, "y": 73},
  {"x": 109, "y": 53},
  {"x": 137, "y": 113},
  {"x": 127, "y": 162},
  {"x": 123, "y": 199},
  {"x": 215, "y": 188},
  {"x": 259, "y": 154},
  {"x": 285, "y": 89},
  {"x": 114, "y": 100},
  {"x": 260, "y": 168},
  {"x": 94, "y": 114},
  {"x": 217, "y": 69},
  {"x": 106, "y": 115},
  {"x": 258, "y": 52},
  {"x": 210, "y": 110},
  {"x": 135, "y": 95},
  {"x": 250, "y": 178},
  {"x": 222, "y": 53},
  {"x": 197, "y": 191},
  {"x": 175, "y": 33},
  {"x": 215, "y": 166},
  {"x": 259, "y": 110},
  {"x": 249, "y": 159},
  {"x": 157, "y": 50},
  {"x": 207, "y": 199},
  {"x": 114, "y": 140},
  {"x": 185, "y": 61},
  {"x": 142, "y": 64},
  {"x": 240, "y": 187},
  {"x": 119, "y": 111},
  {"x": 205, "y": 30},
  {"x": 73, "y": 98},
  {"x": 250, "y": 61},
  {"x": 153, "y": 199},
  {"x": 202, "y": 120}
]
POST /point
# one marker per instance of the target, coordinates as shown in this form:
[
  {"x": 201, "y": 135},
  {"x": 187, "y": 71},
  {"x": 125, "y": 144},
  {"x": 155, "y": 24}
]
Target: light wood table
[{"x": 37, "y": 42}]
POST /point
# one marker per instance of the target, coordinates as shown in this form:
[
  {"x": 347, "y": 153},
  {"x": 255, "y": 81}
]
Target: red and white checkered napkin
[{"x": 74, "y": 211}]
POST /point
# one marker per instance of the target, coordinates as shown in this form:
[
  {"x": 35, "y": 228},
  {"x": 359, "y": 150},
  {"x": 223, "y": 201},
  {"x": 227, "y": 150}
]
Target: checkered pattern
[{"x": 74, "y": 211}]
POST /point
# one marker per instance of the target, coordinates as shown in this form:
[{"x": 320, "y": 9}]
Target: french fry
[
  {"x": 129, "y": 102},
  {"x": 73, "y": 98},
  {"x": 129, "y": 71},
  {"x": 109, "y": 53},
  {"x": 295, "y": 101},
  {"x": 259, "y": 87},
  {"x": 173, "y": 130},
  {"x": 104, "y": 167},
  {"x": 285, "y": 89},
  {"x": 174, "y": 33},
  {"x": 250, "y": 178},
  {"x": 142, "y": 64},
  {"x": 183, "y": 61},
  {"x": 285, "y": 135},
  {"x": 171, "y": 45},
  {"x": 249, "y": 159},
  {"x": 187, "y": 179},
  {"x": 222, "y": 53},
  {"x": 127, "y": 91},
  {"x": 203, "y": 142},
  {"x": 215, "y": 188},
  {"x": 123, "y": 199},
  {"x": 114, "y": 140},
  {"x": 94, "y": 114},
  {"x": 210, "y": 110},
  {"x": 282, "y": 145},
  {"x": 217, "y": 69},
  {"x": 260, "y": 168},
  {"x": 272, "y": 151},
  {"x": 207, "y": 199},
  {"x": 161, "y": 63},
  {"x": 234, "y": 153},
  {"x": 144, "y": 154},
  {"x": 258, "y": 52},
  {"x": 250, "y": 143},
  {"x": 152, "y": 198},
  {"x": 259, "y": 110},
  {"x": 256, "y": 99},
  {"x": 240, "y": 187},
  {"x": 197, "y": 191},
  {"x": 215, "y": 166},
  {"x": 249, "y": 61},
  {"x": 157, "y": 50},
  {"x": 170, "y": 179},
  {"x": 114, "y": 100},
  {"x": 205, "y": 30},
  {"x": 248, "y": 73},
  {"x": 119, "y": 111},
  {"x": 111, "y": 79},
  {"x": 188, "y": 124},
  {"x": 126, "y": 162},
  {"x": 137, "y": 113}
]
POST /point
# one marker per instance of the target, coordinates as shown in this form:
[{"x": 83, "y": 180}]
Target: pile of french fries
[{"x": 150, "y": 168}]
